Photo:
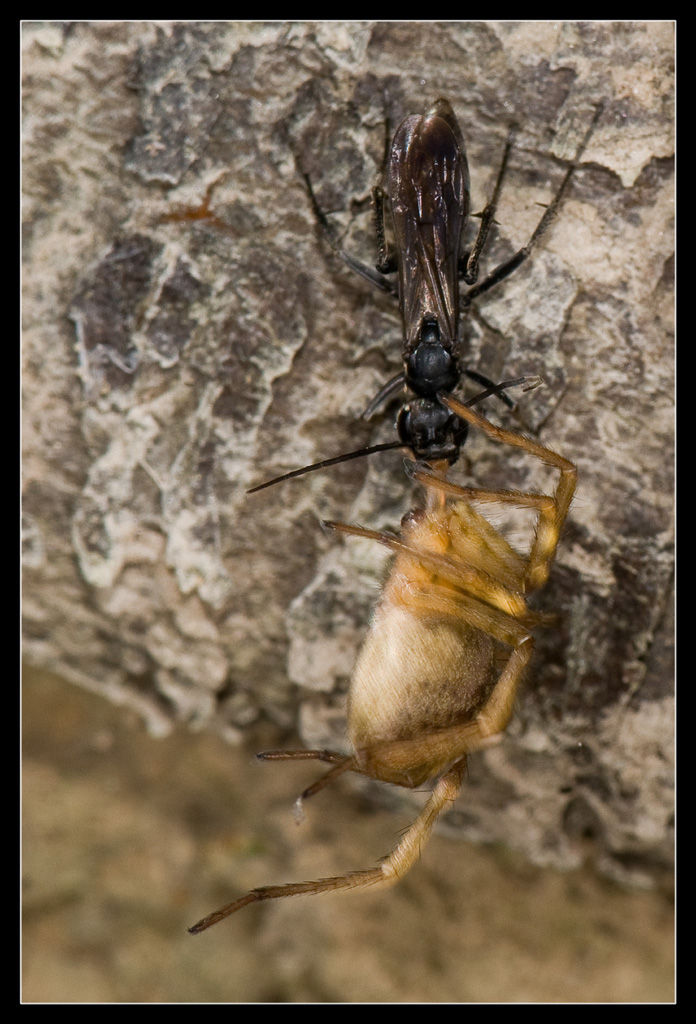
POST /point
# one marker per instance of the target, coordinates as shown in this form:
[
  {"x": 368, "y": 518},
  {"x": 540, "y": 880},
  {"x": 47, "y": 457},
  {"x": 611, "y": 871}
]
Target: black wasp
[{"x": 427, "y": 188}]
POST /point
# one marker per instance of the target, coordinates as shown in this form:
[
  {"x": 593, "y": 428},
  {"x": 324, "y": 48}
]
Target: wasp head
[{"x": 431, "y": 431}]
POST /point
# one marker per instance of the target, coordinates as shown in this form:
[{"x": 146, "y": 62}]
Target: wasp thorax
[{"x": 431, "y": 368}]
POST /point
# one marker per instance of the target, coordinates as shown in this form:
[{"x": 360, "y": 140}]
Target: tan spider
[{"x": 426, "y": 691}]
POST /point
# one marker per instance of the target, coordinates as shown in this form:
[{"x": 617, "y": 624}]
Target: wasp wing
[{"x": 428, "y": 189}]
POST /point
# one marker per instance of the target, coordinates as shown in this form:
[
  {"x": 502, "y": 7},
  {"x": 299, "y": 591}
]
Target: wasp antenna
[
  {"x": 327, "y": 462},
  {"x": 526, "y": 383}
]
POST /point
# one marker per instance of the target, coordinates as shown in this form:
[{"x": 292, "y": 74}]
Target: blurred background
[{"x": 129, "y": 841}]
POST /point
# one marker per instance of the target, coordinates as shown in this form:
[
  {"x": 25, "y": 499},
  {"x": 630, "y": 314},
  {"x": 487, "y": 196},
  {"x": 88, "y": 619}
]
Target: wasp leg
[
  {"x": 550, "y": 522},
  {"x": 386, "y": 392},
  {"x": 388, "y": 872},
  {"x": 505, "y": 269},
  {"x": 369, "y": 273},
  {"x": 469, "y": 265}
]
